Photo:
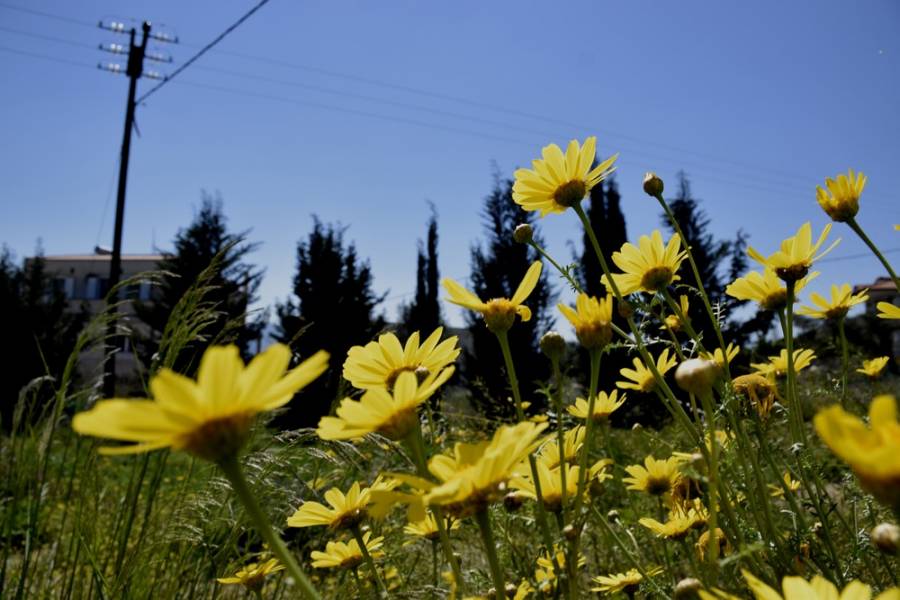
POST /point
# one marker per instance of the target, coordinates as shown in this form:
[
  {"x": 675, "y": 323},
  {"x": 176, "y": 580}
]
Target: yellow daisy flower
[
  {"x": 792, "y": 485},
  {"x": 210, "y": 417},
  {"x": 392, "y": 414},
  {"x": 842, "y": 300},
  {"x": 797, "y": 253},
  {"x": 475, "y": 475},
  {"x": 592, "y": 319},
  {"x": 841, "y": 200},
  {"x": 545, "y": 571},
  {"x": 702, "y": 544},
  {"x": 347, "y": 555},
  {"x": 886, "y": 310},
  {"x": 777, "y": 365},
  {"x": 874, "y": 367},
  {"x": 641, "y": 378},
  {"x": 648, "y": 267},
  {"x": 559, "y": 181},
  {"x": 551, "y": 484},
  {"x": 347, "y": 511},
  {"x": 252, "y": 576},
  {"x": 797, "y": 588},
  {"x": 627, "y": 582},
  {"x": 656, "y": 477},
  {"x": 676, "y": 527},
  {"x": 427, "y": 528},
  {"x": 604, "y": 405},
  {"x": 873, "y": 452},
  {"x": 759, "y": 392},
  {"x": 673, "y": 322},
  {"x": 499, "y": 313},
  {"x": 765, "y": 288},
  {"x": 718, "y": 357},
  {"x": 379, "y": 363},
  {"x": 573, "y": 439}
]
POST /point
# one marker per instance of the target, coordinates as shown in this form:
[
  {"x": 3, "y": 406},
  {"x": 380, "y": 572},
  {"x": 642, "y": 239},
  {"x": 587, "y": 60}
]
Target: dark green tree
[
  {"x": 39, "y": 329},
  {"x": 605, "y": 215},
  {"x": 423, "y": 314},
  {"x": 497, "y": 268},
  {"x": 332, "y": 308},
  {"x": 717, "y": 260},
  {"x": 232, "y": 290}
]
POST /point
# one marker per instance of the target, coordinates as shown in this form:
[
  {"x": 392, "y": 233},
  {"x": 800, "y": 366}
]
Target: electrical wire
[
  {"x": 47, "y": 15},
  {"x": 203, "y": 51}
]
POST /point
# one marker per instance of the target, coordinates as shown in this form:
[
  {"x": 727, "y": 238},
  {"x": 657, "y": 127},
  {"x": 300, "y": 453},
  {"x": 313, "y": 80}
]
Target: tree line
[{"x": 333, "y": 303}]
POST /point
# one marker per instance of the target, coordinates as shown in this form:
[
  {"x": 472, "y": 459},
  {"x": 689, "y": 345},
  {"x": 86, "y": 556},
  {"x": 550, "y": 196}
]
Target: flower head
[
  {"x": 765, "y": 288},
  {"x": 792, "y": 485},
  {"x": 677, "y": 525},
  {"x": 842, "y": 300},
  {"x": 573, "y": 440},
  {"x": 719, "y": 357},
  {"x": 673, "y": 321},
  {"x": 346, "y": 510},
  {"x": 552, "y": 489},
  {"x": 604, "y": 405},
  {"x": 499, "y": 313},
  {"x": 627, "y": 582},
  {"x": 759, "y": 392},
  {"x": 210, "y": 417},
  {"x": 702, "y": 544},
  {"x": 886, "y": 310},
  {"x": 592, "y": 319},
  {"x": 427, "y": 528},
  {"x": 641, "y": 378},
  {"x": 392, "y": 414},
  {"x": 347, "y": 555},
  {"x": 797, "y": 588},
  {"x": 874, "y": 367},
  {"x": 778, "y": 365},
  {"x": 841, "y": 200},
  {"x": 797, "y": 254},
  {"x": 559, "y": 181},
  {"x": 873, "y": 452},
  {"x": 656, "y": 477},
  {"x": 252, "y": 576},
  {"x": 648, "y": 267},
  {"x": 379, "y": 363},
  {"x": 475, "y": 475}
]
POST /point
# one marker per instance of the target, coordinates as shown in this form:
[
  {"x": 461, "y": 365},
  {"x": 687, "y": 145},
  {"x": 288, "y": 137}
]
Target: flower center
[
  {"x": 793, "y": 272},
  {"x": 836, "y": 312},
  {"x": 656, "y": 278},
  {"x": 218, "y": 439},
  {"x": 594, "y": 335},
  {"x": 570, "y": 193},
  {"x": 658, "y": 485},
  {"x": 398, "y": 426},
  {"x": 499, "y": 314},
  {"x": 349, "y": 519},
  {"x": 393, "y": 375},
  {"x": 775, "y": 300}
]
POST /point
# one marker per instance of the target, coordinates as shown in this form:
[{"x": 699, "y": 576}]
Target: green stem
[
  {"x": 568, "y": 276},
  {"x": 700, "y": 288},
  {"x": 706, "y": 401},
  {"x": 560, "y": 434},
  {"x": 541, "y": 516},
  {"x": 487, "y": 537},
  {"x": 688, "y": 328},
  {"x": 357, "y": 535},
  {"x": 845, "y": 361},
  {"x": 793, "y": 398},
  {"x": 416, "y": 444},
  {"x": 862, "y": 235},
  {"x": 627, "y": 552},
  {"x": 232, "y": 470}
]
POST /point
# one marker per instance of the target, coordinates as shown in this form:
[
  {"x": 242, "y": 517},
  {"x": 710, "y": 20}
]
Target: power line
[
  {"x": 47, "y": 38},
  {"x": 64, "y": 61},
  {"x": 855, "y": 256},
  {"x": 203, "y": 50},
  {"x": 751, "y": 168},
  {"x": 47, "y": 15}
]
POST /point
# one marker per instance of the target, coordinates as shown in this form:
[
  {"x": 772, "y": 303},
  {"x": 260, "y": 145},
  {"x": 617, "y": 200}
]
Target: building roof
[{"x": 881, "y": 284}]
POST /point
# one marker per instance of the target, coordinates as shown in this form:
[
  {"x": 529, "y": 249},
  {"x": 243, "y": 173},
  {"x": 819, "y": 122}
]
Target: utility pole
[{"x": 134, "y": 70}]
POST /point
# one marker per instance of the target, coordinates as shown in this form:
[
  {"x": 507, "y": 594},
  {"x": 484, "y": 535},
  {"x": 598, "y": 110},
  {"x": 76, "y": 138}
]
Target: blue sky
[{"x": 359, "y": 112}]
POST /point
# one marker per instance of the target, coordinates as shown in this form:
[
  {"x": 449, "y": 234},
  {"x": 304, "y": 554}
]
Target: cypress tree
[
  {"x": 331, "y": 308},
  {"x": 423, "y": 314}
]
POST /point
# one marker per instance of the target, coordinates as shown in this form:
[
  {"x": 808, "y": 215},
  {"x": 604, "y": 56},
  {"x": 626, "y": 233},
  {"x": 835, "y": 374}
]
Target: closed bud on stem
[
  {"x": 553, "y": 345},
  {"x": 569, "y": 532},
  {"x": 625, "y": 309},
  {"x": 697, "y": 375},
  {"x": 523, "y": 233},
  {"x": 653, "y": 185},
  {"x": 886, "y": 537},
  {"x": 511, "y": 590},
  {"x": 613, "y": 516},
  {"x": 688, "y": 588}
]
